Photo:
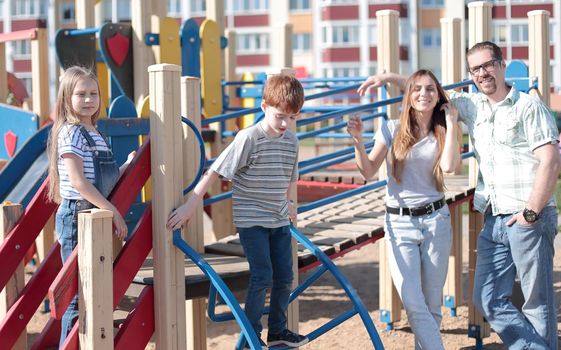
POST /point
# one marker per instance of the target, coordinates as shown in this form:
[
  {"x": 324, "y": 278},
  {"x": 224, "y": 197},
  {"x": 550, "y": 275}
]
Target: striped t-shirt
[
  {"x": 261, "y": 168},
  {"x": 71, "y": 140}
]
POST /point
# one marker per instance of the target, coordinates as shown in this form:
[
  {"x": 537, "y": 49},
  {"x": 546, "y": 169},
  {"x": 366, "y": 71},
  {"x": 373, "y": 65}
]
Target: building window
[
  {"x": 299, "y": 5},
  {"x": 430, "y": 38},
  {"x": 341, "y": 35},
  {"x": 22, "y": 49},
  {"x": 29, "y": 8},
  {"x": 499, "y": 34},
  {"x": 373, "y": 34},
  {"x": 199, "y": 6},
  {"x": 174, "y": 8},
  {"x": 251, "y": 5},
  {"x": 123, "y": 10},
  {"x": 519, "y": 33},
  {"x": 252, "y": 43},
  {"x": 432, "y": 3},
  {"x": 301, "y": 42},
  {"x": 68, "y": 12},
  {"x": 341, "y": 72}
]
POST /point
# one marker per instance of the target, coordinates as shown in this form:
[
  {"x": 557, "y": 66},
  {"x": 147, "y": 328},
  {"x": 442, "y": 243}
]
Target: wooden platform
[{"x": 336, "y": 229}]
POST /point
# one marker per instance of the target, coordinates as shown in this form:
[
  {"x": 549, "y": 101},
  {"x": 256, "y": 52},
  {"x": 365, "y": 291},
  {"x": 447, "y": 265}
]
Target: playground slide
[{"x": 24, "y": 173}]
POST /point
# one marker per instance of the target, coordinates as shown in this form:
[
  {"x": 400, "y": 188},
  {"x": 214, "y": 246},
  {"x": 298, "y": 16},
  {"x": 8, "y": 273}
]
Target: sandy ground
[{"x": 325, "y": 300}]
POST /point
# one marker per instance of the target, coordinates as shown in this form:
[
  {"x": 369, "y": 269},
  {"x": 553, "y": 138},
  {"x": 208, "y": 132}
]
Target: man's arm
[{"x": 546, "y": 177}]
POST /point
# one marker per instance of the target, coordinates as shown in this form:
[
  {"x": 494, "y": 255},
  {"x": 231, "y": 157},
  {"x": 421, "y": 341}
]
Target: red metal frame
[
  {"x": 139, "y": 326},
  {"x": 31, "y": 296},
  {"x": 46, "y": 340},
  {"x": 26, "y": 34},
  {"x": 23, "y": 235}
]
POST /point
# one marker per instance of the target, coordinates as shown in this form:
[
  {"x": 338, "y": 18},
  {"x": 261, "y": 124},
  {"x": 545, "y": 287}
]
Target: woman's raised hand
[
  {"x": 451, "y": 113},
  {"x": 373, "y": 81},
  {"x": 354, "y": 128}
]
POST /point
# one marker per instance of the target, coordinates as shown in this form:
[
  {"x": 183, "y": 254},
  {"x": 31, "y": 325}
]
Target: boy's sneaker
[
  {"x": 263, "y": 345},
  {"x": 287, "y": 338}
]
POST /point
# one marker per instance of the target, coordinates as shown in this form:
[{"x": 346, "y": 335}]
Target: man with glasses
[{"x": 515, "y": 140}]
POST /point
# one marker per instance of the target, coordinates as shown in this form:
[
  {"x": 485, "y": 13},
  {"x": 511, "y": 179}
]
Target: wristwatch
[{"x": 530, "y": 215}]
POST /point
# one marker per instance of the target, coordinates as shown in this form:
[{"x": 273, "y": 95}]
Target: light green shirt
[{"x": 504, "y": 137}]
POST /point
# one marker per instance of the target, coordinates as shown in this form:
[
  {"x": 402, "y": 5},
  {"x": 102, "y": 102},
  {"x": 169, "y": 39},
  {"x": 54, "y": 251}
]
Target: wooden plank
[
  {"x": 170, "y": 47},
  {"x": 9, "y": 215},
  {"x": 95, "y": 279}
]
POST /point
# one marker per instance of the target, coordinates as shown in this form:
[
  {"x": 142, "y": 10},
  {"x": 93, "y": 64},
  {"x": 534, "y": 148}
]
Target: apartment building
[{"x": 331, "y": 38}]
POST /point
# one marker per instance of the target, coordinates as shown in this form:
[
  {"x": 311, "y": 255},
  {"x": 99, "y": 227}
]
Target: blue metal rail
[
  {"x": 326, "y": 265},
  {"x": 219, "y": 285}
]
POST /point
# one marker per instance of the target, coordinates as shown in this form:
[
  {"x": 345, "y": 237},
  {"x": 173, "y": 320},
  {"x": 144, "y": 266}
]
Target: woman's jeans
[
  {"x": 269, "y": 254},
  {"x": 418, "y": 251},
  {"x": 527, "y": 251}
]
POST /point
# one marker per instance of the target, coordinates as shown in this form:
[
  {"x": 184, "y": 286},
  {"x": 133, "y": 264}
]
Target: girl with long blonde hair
[
  {"x": 82, "y": 170},
  {"x": 418, "y": 149}
]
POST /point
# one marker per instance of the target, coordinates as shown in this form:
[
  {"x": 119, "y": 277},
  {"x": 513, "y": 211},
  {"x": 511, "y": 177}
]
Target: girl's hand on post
[
  {"x": 121, "y": 229},
  {"x": 354, "y": 128},
  {"x": 451, "y": 113}
]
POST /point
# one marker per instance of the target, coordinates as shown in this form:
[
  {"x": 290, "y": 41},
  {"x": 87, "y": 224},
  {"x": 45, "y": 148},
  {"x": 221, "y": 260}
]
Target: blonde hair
[
  {"x": 65, "y": 114},
  {"x": 408, "y": 132}
]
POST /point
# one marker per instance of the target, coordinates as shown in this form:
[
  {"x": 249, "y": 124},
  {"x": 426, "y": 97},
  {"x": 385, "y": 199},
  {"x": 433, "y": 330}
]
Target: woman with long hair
[{"x": 418, "y": 148}]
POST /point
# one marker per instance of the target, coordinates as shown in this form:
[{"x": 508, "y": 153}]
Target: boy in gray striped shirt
[{"x": 262, "y": 164}]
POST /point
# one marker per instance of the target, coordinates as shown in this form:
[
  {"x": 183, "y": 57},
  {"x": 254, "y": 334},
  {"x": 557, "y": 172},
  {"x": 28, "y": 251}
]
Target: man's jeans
[
  {"x": 418, "y": 251},
  {"x": 526, "y": 250},
  {"x": 269, "y": 253}
]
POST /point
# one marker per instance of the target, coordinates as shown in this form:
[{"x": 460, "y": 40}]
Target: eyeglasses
[{"x": 488, "y": 67}]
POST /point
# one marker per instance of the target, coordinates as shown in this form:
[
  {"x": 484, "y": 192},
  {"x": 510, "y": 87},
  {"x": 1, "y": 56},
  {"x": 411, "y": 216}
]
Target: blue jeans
[
  {"x": 526, "y": 250},
  {"x": 66, "y": 226},
  {"x": 418, "y": 251},
  {"x": 269, "y": 254}
]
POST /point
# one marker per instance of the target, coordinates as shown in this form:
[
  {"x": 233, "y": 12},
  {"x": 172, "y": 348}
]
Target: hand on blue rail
[
  {"x": 451, "y": 113},
  {"x": 354, "y": 128},
  {"x": 181, "y": 215}
]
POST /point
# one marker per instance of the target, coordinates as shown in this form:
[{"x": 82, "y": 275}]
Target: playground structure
[{"x": 159, "y": 308}]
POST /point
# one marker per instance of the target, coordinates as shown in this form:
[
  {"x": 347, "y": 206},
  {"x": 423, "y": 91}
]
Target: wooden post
[
  {"x": 95, "y": 279},
  {"x": 476, "y": 320},
  {"x": 9, "y": 215},
  {"x": 85, "y": 13},
  {"x": 388, "y": 51},
  {"x": 41, "y": 106},
  {"x": 195, "y": 236},
  {"x": 167, "y": 177},
  {"x": 539, "y": 51},
  {"x": 388, "y": 60},
  {"x": 40, "y": 74},
  {"x": 143, "y": 56},
  {"x": 451, "y": 73},
  {"x": 281, "y": 53},
  {"x": 3, "y": 74},
  {"x": 480, "y": 29}
]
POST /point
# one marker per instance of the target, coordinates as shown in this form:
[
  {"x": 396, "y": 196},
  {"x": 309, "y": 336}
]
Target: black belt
[
  {"x": 81, "y": 204},
  {"x": 424, "y": 210}
]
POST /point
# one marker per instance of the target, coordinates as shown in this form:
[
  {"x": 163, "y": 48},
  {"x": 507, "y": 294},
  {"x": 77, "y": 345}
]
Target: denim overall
[{"x": 66, "y": 223}]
